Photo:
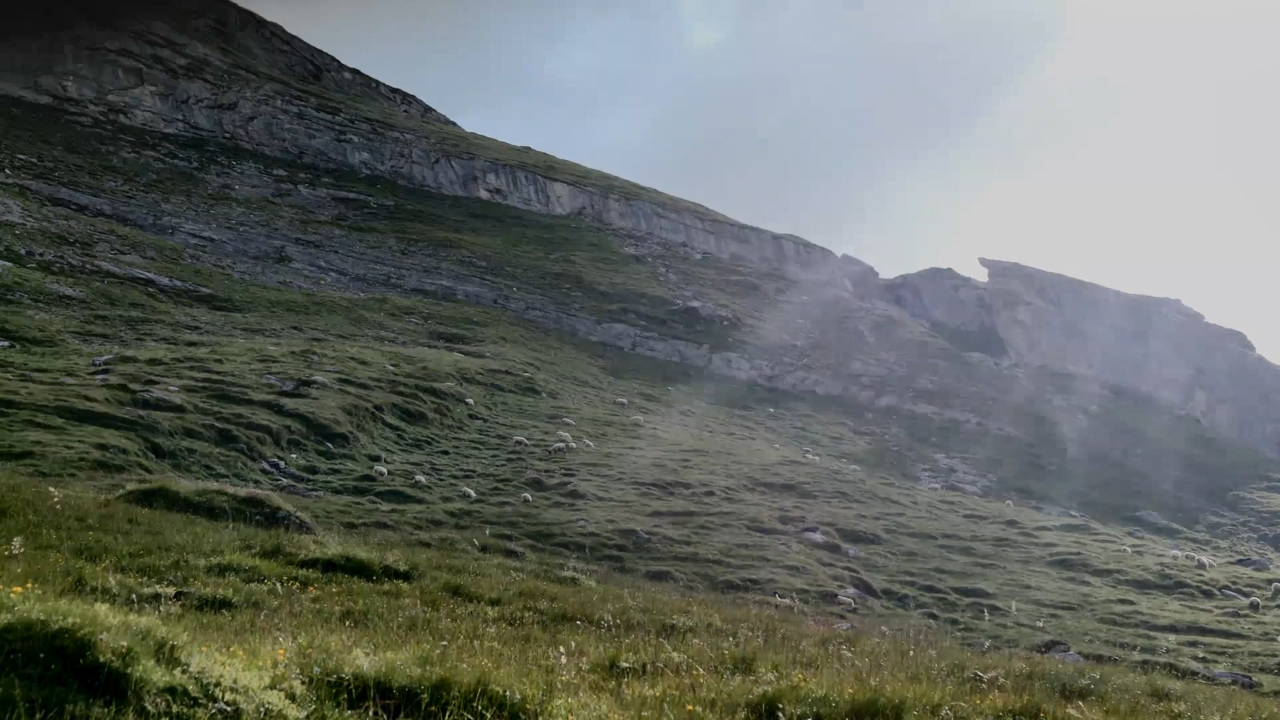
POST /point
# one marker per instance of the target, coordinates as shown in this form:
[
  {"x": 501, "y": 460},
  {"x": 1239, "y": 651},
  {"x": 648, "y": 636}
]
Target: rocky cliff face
[
  {"x": 935, "y": 340},
  {"x": 1156, "y": 346},
  {"x": 209, "y": 68}
]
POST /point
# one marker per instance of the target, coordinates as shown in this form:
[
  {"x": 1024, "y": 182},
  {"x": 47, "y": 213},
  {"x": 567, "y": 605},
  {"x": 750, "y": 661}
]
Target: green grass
[
  {"x": 100, "y": 620},
  {"x": 167, "y": 548}
]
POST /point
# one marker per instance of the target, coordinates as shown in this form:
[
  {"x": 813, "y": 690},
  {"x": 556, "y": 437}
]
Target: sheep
[
  {"x": 1008, "y": 503},
  {"x": 1275, "y": 590},
  {"x": 526, "y": 497},
  {"x": 1125, "y": 549},
  {"x": 589, "y": 444},
  {"x": 846, "y": 601},
  {"x": 1255, "y": 604},
  {"x": 419, "y": 480},
  {"x": 811, "y": 458},
  {"x": 1191, "y": 556},
  {"x": 1210, "y": 562},
  {"x": 469, "y": 493},
  {"x": 379, "y": 471},
  {"x": 1202, "y": 563},
  {"x": 783, "y": 601},
  {"x": 637, "y": 419},
  {"x": 568, "y": 421},
  {"x": 621, "y": 401},
  {"x": 1176, "y": 554},
  {"x": 571, "y": 446},
  {"x": 470, "y": 402},
  {"x": 520, "y": 441},
  {"x": 933, "y": 486},
  {"x": 776, "y": 446},
  {"x": 562, "y": 435},
  {"x": 557, "y": 448}
]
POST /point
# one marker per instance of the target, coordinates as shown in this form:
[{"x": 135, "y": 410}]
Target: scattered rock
[
  {"x": 6, "y": 345},
  {"x": 1256, "y": 564},
  {"x": 1239, "y": 679},
  {"x": 102, "y": 360}
]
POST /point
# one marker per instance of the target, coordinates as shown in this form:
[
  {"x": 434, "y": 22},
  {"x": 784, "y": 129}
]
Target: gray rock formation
[{"x": 210, "y": 69}]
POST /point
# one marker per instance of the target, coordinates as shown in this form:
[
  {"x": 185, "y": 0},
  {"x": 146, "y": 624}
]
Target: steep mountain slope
[{"x": 224, "y": 260}]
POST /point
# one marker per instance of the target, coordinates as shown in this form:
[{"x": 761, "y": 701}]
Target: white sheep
[
  {"x": 776, "y": 446},
  {"x": 783, "y": 601},
  {"x": 526, "y": 497},
  {"x": 520, "y": 441},
  {"x": 1255, "y": 604},
  {"x": 568, "y": 421},
  {"x": 419, "y": 480},
  {"x": 470, "y": 402},
  {"x": 933, "y": 486},
  {"x": 811, "y": 458},
  {"x": 1275, "y": 589},
  {"x": 571, "y": 446},
  {"x": 1125, "y": 549},
  {"x": 379, "y": 471},
  {"x": 1176, "y": 554},
  {"x": 469, "y": 493},
  {"x": 1202, "y": 563},
  {"x": 621, "y": 401},
  {"x": 846, "y": 601},
  {"x": 589, "y": 444},
  {"x": 562, "y": 435},
  {"x": 1191, "y": 556},
  {"x": 637, "y": 419},
  {"x": 558, "y": 448},
  {"x": 1209, "y": 561},
  {"x": 1008, "y": 503}
]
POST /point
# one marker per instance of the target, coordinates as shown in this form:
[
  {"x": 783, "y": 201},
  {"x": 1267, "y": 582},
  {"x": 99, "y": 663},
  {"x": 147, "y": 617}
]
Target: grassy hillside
[
  {"x": 179, "y": 345},
  {"x": 117, "y": 611}
]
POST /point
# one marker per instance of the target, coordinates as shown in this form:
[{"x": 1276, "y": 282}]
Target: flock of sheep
[{"x": 565, "y": 443}]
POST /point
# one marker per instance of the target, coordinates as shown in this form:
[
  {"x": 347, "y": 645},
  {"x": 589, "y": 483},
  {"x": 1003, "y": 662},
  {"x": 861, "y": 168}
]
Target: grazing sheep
[
  {"x": 419, "y": 480},
  {"x": 558, "y": 448},
  {"x": 1202, "y": 563},
  {"x": 470, "y": 402},
  {"x": 933, "y": 486},
  {"x": 811, "y": 458},
  {"x": 783, "y": 601},
  {"x": 1275, "y": 589},
  {"x": 469, "y": 493},
  {"x": 1209, "y": 561},
  {"x": 562, "y": 435},
  {"x": 526, "y": 497},
  {"x": 1125, "y": 549},
  {"x": 637, "y": 419},
  {"x": 1190, "y": 556},
  {"x": 776, "y": 446},
  {"x": 621, "y": 401},
  {"x": 1008, "y": 503},
  {"x": 572, "y": 446},
  {"x": 568, "y": 421},
  {"x": 1255, "y": 604},
  {"x": 589, "y": 444},
  {"x": 520, "y": 441},
  {"x": 379, "y": 471},
  {"x": 846, "y": 601},
  {"x": 1176, "y": 554}
]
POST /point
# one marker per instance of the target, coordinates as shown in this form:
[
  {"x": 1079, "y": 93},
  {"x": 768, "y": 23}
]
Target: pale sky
[{"x": 1132, "y": 143}]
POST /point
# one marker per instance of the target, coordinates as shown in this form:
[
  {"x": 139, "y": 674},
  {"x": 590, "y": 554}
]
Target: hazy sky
[{"x": 1134, "y": 144}]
